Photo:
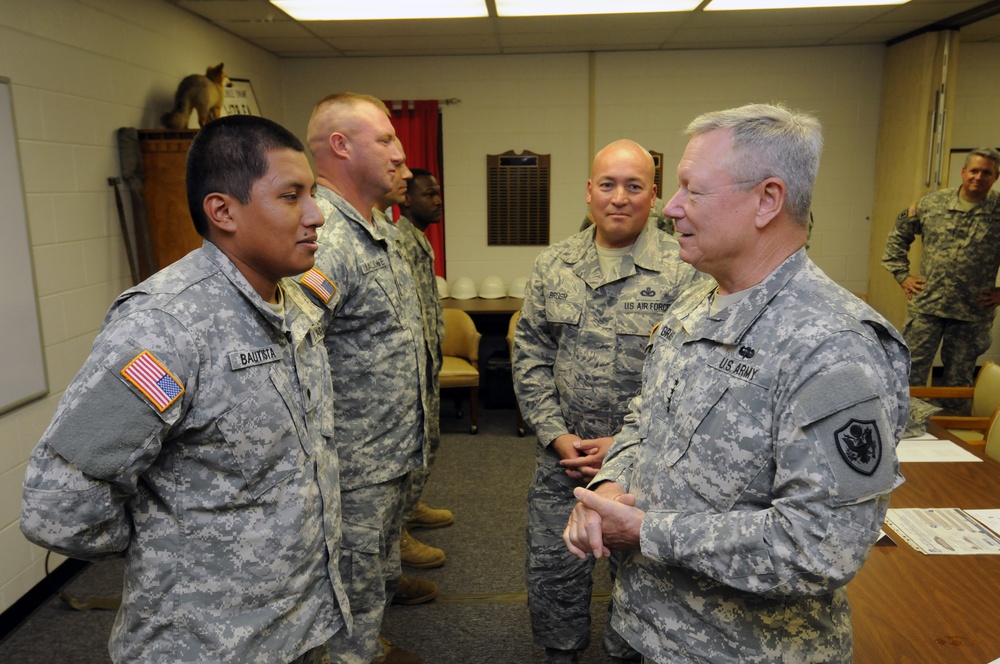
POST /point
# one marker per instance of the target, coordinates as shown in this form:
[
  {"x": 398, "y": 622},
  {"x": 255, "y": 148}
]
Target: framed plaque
[{"x": 239, "y": 98}]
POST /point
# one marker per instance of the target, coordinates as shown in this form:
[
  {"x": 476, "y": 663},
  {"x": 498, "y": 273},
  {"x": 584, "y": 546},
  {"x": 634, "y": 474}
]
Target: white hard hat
[
  {"x": 492, "y": 288},
  {"x": 517, "y": 286},
  {"x": 442, "y": 286},
  {"x": 463, "y": 289}
]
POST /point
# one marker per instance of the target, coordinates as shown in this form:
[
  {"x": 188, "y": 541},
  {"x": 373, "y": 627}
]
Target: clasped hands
[
  {"x": 581, "y": 458},
  {"x": 604, "y": 519}
]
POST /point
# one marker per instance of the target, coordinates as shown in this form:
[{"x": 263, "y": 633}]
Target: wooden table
[{"x": 913, "y": 608}]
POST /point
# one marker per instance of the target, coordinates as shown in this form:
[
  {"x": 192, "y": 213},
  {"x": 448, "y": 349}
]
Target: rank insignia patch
[
  {"x": 151, "y": 378},
  {"x": 908, "y": 213},
  {"x": 860, "y": 444},
  {"x": 318, "y": 283}
]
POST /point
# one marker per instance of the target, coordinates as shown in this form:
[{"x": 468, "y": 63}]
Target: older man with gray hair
[{"x": 759, "y": 457}]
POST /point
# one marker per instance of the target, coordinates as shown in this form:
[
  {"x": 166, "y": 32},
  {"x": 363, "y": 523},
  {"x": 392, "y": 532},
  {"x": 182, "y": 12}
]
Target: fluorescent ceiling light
[
  {"x": 574, "y": 7},
  {"x": 363, "y": 10},
  {"x": 734, "y": 5}
]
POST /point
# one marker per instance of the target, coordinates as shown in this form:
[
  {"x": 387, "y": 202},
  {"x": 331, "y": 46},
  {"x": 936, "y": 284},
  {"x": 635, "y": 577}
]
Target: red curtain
[{"x": 418, "y": 125}]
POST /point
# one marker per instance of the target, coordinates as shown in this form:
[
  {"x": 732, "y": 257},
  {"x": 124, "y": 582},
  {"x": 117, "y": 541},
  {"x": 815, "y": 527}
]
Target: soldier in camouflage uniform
[
  {"x": 410, "y": 589},
  {"x": 590, "y": 305},
  {"x": 422, "y": 206},
  {"x": 953, "y": 303},
  {"x": 194, "y": 439},
  {"x": 760, "y": 454},
  {"x": 375, "y": 343}
]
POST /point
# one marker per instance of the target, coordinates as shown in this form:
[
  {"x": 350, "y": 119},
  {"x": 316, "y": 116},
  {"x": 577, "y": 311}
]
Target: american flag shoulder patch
[
  {"x": 154, "y": 380},
  {"x": 318, "y": 283}
]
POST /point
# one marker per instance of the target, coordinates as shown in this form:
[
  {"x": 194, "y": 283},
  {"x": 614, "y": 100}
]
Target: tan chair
[
  {"x": 993, "y": 436},
  {"x": 522, "y": 428},
  {"x": 460, "y": 365},
  {"x": 985, "y": 395}
]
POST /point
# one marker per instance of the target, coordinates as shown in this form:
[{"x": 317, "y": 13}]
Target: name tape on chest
[
  {"x": 376, "y": 264},
  {"x": 639, "y": 305},
  {"x": 148, "y": 375},
  {"x": 241, "y": 359},
  {"x": 320, "y": 284},
  {"x": 740, "y": 365}
]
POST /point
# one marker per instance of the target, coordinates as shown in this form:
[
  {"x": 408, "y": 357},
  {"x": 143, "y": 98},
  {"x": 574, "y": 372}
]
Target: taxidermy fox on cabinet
[{"x": 202, "y": 93}]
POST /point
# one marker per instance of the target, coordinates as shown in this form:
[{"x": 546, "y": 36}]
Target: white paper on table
[
  {"x": 928, "y": 448},
  {"x": 989, "y": 518},
  {"x": 945, "y": 531}
]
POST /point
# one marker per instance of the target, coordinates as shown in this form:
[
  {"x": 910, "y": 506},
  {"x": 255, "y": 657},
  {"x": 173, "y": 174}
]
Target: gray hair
[
  {"x": 986, "y": 153},
  {"x": 770, "y": 141}
]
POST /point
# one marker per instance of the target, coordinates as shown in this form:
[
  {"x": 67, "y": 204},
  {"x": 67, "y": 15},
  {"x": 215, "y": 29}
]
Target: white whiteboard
[{"x": 22, "y": 378}]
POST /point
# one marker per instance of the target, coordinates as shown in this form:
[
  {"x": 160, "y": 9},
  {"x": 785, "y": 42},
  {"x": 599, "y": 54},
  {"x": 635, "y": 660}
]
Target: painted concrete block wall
[
  {"x": 652, "y": 96},
  {"x": 82, "y": 68},
  {"x": 522, "y": 102},
  {"x": 79, "y": 70},
  {"x": 975, "y": 124},
  {"x": 541, "y": 102}
]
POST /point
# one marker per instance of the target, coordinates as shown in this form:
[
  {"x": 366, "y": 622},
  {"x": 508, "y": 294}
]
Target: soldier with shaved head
[
  {"x": 378, "y": 364},
  {"x": 588, "y": 310}
]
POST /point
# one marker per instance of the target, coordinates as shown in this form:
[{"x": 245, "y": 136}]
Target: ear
[
  {"x": 771, "y": 201},
  {"x": 340, "y": 145},
  {"x": 590, "y": 183},
  {"x": 219, "y": 210}
]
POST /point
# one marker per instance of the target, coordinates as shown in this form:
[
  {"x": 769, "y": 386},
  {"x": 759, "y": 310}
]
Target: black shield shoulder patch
[{"x": 860, "y": 445}]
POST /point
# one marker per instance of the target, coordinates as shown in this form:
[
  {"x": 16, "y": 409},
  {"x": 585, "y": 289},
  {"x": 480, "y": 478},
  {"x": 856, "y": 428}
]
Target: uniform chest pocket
[
  {"x": 563, "y": 309},
  {"x": 722, "y": 440},
  {"x": 261, "y": 434},
  {"x": 637, "y": 323}
]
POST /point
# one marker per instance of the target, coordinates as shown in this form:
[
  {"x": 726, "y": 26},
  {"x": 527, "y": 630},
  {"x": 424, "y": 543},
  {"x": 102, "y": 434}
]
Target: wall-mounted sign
[{"x": 239, "y": 98}]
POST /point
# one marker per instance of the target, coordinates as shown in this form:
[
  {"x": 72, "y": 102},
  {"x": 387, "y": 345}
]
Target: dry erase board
[{"x": 22, "y": 377}]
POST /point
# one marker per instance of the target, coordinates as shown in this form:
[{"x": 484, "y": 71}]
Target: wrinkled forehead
[{"x": 981, "y": 163}]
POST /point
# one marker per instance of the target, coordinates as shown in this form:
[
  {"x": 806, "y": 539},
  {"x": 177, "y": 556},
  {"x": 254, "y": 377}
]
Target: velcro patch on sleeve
[
  {"x": 320, "y": 284},
  {"x": 843, "y": 413},
  {"x": 153, "y": 379},
  {"x": 832, "y": 392}
]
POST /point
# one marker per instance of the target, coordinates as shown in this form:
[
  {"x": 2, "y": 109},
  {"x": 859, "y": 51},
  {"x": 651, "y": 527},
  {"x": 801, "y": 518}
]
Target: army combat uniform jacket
[
  {"x": 578, "y": 353},
  {"x": 194, "y": 440},
  {"x": 961, "y": 253},
  {"x": 375, "y": 343},
  {"x": 580, "y": 341},
  {"x": 762, "y": 449},
  {"x": 420, "y": 255}
]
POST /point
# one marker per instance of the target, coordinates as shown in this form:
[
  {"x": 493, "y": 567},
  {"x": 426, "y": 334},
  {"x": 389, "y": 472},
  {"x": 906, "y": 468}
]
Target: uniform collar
[
  {"x": 647, "y": 253},
  {"x": 404, "y": 225},
  {"x": 296, "y": 304},
  {"x": 378, "y": 228},
  {"x": 730, "y": 324},
  {"x": 955, "y": 200}
]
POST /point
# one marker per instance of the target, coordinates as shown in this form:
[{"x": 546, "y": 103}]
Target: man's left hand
[{"x": 989, "y": 298}]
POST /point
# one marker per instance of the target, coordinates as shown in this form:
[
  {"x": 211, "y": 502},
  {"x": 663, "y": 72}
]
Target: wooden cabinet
[{"x": 170, "y": 230}]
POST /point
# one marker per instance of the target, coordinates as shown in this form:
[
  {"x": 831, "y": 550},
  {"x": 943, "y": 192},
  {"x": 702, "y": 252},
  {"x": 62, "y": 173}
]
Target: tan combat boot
[
  {"x": 413, "y": 590},
  {"x": 393, "y": 654},
  {"x": 428, "y": 517},
  {"x": 416, "y": 554}
]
